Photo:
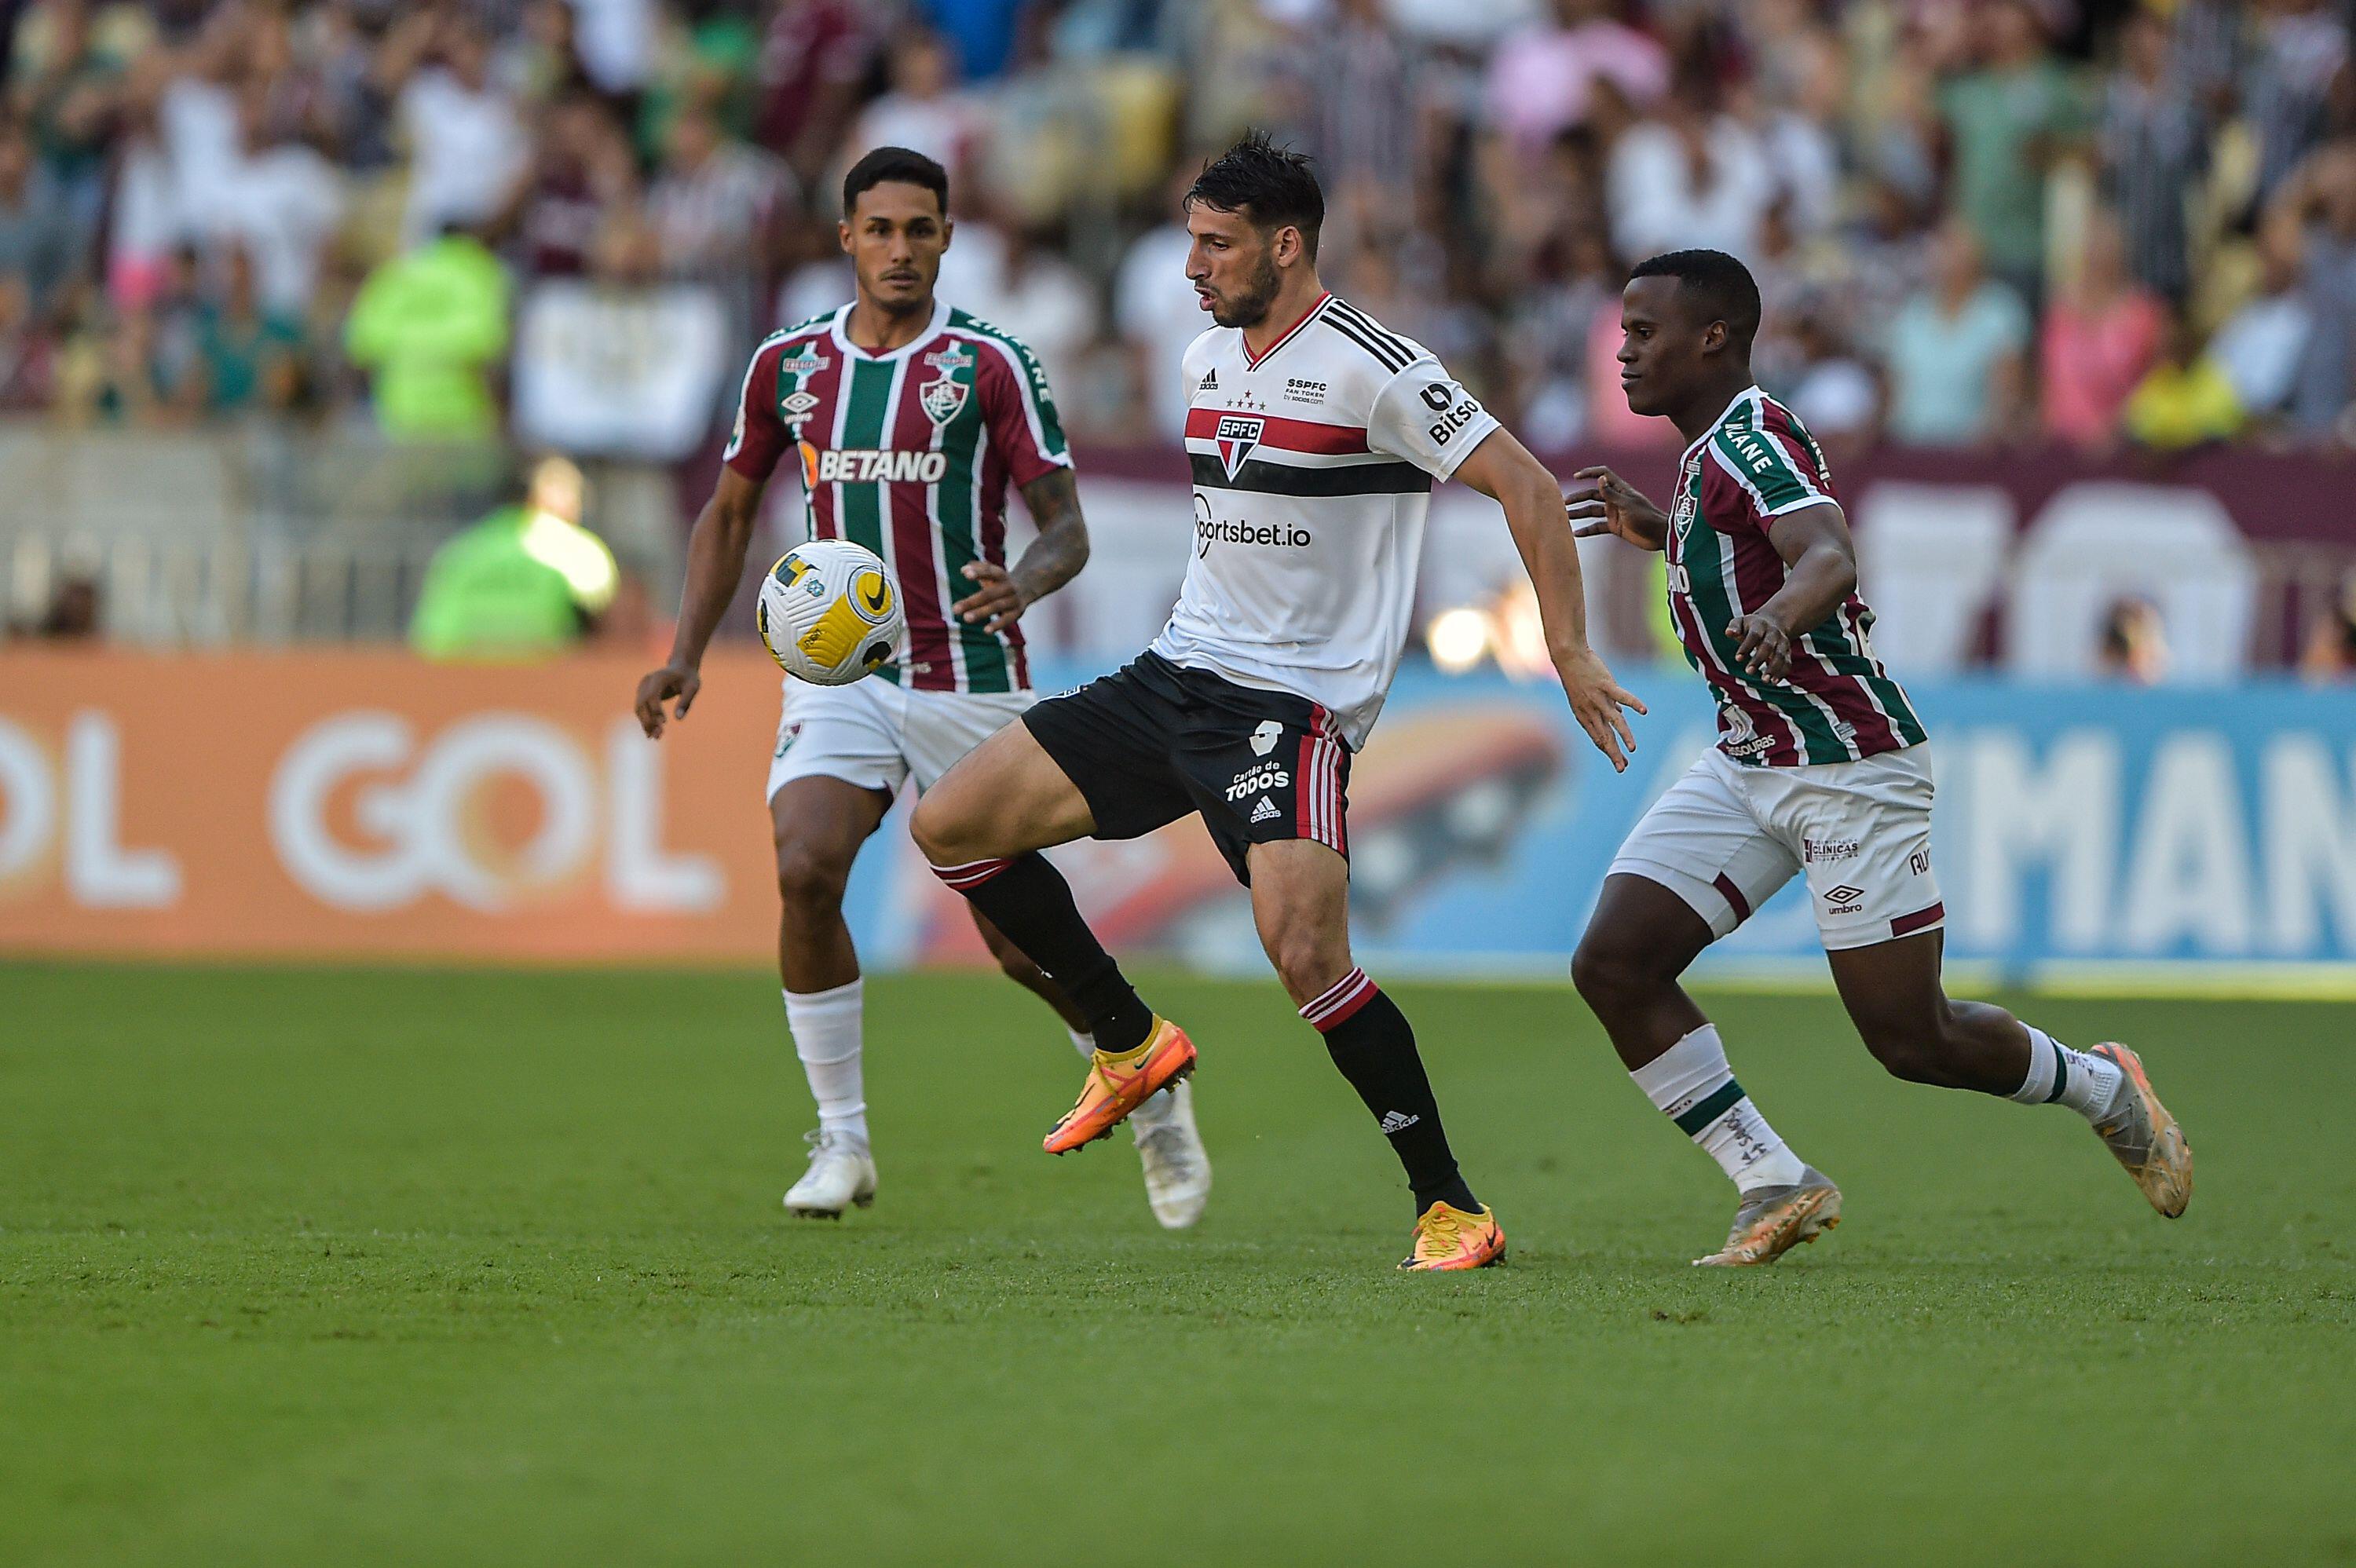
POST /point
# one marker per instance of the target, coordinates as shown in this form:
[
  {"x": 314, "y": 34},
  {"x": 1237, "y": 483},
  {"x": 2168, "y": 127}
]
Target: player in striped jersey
[
  {"x": 1822, "y": 768},
  {"x": 910, "y": 421}
]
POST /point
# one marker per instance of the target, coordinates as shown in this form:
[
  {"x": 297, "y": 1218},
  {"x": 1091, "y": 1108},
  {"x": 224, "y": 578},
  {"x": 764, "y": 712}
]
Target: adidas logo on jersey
[
  {"x": 852, "y": 466},
  {"x": 1210, "y": 381},
  {"x": 1265, "y": 810},
  {"x": 1397, "y": 1121}
]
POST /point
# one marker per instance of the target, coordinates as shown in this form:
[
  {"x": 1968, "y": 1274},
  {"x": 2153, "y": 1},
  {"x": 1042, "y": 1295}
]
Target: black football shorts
[{"x": 1154, "y": 741}]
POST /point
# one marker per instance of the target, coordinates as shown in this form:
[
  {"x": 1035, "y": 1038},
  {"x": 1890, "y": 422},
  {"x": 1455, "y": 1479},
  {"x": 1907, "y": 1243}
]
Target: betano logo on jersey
[{"x": 858, "y": 466}]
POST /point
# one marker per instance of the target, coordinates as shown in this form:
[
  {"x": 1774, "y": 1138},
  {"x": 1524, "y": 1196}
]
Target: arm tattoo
[{"x": 1056, "y": 556}]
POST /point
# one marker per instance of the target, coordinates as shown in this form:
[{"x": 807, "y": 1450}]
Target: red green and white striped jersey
[
  {"x": 1755, "y": 464},
  {"x": 910, "y": 453}
]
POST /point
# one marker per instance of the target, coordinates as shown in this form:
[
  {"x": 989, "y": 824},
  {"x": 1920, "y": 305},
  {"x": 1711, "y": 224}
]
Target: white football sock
[
  {"x": 1691, "y": 1084},
  {"x": 2086, "y": 1083},
  {"x": 1158, "y": 1106},
  {"x": 826, "y": 1029}
]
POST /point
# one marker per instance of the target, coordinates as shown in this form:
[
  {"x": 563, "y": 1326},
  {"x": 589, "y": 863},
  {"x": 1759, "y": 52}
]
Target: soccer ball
[{"x": 830, "y": 611}]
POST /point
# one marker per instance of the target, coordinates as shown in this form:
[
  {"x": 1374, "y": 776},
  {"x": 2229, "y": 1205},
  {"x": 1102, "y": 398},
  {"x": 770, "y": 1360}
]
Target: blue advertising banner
[{"x": 2180, "y": 838}]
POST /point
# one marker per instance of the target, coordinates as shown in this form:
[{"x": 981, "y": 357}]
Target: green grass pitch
[{"x": 387, "y": 1267}]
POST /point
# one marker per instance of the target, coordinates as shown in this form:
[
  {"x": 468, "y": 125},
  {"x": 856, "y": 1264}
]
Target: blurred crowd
[{"x": 1975, "y": 223}]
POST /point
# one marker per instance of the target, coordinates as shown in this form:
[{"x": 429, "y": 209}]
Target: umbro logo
[
  {"x": 1844, "y": 894},
  {"x": 1397, "y": 1121},
  {"x": 1265, "y": 810}
]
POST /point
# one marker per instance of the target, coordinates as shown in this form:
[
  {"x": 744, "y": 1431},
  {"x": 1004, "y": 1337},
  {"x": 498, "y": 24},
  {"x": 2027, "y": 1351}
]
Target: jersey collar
[
  {"x": 1254, "y": 361},
  {"x": 841, "y": 333},
  {"x": 1740, "y": 398}
]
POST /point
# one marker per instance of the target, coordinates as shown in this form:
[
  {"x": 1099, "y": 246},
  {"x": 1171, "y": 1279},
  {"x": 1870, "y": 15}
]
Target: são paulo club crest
[
  {"x": 943, "y": 395},
  {"x": 1238, "y": 435}
]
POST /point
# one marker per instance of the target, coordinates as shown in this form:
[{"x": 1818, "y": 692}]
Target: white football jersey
[{"x": 1313, "y": 465}]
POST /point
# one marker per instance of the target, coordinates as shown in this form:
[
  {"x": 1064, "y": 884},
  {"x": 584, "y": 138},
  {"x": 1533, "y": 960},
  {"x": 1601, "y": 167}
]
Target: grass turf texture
[{"x": 469, "y": 1267}]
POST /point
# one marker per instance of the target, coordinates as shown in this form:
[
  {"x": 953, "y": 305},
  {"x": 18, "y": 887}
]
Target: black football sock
[
  {"x": 1028, "y": 900},
  {"x": 1371, "y": 1042}
]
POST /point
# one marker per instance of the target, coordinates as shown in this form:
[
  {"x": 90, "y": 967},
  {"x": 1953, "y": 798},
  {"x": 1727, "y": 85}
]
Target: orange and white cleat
[
  {"x": 2139, "y": 1131},
  {"x": 1447, "y": 1237},
  {"x": 1117, "y": 1085},
  {"x": 1771, "y": 1221}
]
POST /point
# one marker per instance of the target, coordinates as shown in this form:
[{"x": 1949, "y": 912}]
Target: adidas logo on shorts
[{"x": 1265, "y": 810}]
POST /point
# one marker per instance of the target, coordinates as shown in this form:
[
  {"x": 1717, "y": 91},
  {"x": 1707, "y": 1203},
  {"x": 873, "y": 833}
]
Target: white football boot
[
  {"x": 841, "y": 1172},
  {"x": 1177, "y": 1170}
]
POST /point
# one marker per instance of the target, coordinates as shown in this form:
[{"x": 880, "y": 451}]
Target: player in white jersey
[{"x": 1315, "y": 436}]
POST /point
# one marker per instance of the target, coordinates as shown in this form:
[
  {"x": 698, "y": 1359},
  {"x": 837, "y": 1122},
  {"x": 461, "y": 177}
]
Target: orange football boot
[
  {"x": 1447, "y": 1237},
  {"x": 1117, "y": 1085}
]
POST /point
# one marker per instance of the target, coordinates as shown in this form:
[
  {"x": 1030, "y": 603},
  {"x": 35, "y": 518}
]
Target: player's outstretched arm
[
  {"x": 1821, "y": 556},
  {"x": 715, "y": 562},
  {"x": 1054, "y": 558},
  {"x": 1610, "y": 504},
  {"x": 1503, "y": 469}
]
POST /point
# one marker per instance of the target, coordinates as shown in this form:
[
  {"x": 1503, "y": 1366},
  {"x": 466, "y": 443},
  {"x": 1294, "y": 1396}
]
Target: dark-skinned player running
[{"x": 1822, "y": 768}]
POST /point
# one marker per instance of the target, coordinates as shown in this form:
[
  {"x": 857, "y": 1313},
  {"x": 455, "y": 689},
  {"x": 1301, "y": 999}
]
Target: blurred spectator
[
  {"x": 1159, "y": 313},
  {"x": 1574, "y": 279},
  {"x": 248, "y": 354},
  {"x": 582, "y": 171},
  {"x": 467, "y": 147},
  {"x": 1541, "y": 78},
  {"x": 2008, "y": 118},
  {"x": 2296, "y": 83},
  {"x": 1356, "y": 97},
  {"x": 1692, "y": 177},
  {"x": 815, "y": 56},
  {"x": 2260, "y": 345},
  {"x": 278, "y": 202},
  {"x": 924, "y": 111},
  {"x": 1831, "y": 389},
  {"x": 2187, "y": 400},
  {"x": 2101, "y": 334},
  {"x": 66, "y": 89},
  {"x": 2314, "y": 218},
  {"x": 1040, "y": 299},
  {"x": 1957, "y": 350},
  {"x": 2135, "y": 643},
  {"x": 2330, "y": 651},
  {"x": 717, "y": 208},
  {"x": 527, "y": 581},
  {"x": 980, "y": 34},
  {"x": 621, "y": 364},
  {"x": 71, "y": 614},
  {"x": 2155, "y": 147},
  {"x": 613, "y": 40},
  {"x": 38, "y": 239},
  {"x": 430, "y": 325},
  {"x": 27, "y": 349}
]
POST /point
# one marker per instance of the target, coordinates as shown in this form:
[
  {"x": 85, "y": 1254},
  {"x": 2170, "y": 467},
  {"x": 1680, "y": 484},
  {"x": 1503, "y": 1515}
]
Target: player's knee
[
  {"x": 808, "y": 876},
  {"x": 1607, "y": 965},
  {"x": 1909, "y": 1048},
  {"x": 937, "y": 827},
  {"x": 1306, "y": 959}
]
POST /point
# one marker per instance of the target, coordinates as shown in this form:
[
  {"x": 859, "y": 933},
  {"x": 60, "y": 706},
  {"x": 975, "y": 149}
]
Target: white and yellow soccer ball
[{"x": 830, "y": 611}]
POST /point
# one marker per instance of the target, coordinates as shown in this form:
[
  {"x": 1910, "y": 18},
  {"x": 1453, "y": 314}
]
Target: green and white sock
[
  {"x": 1691, "y": 1084},
  {"x": 2086, "y": 1083}
]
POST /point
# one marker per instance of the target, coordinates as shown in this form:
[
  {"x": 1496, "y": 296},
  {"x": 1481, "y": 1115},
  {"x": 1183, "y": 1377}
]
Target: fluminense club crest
[{"x": 943, "y": 397}]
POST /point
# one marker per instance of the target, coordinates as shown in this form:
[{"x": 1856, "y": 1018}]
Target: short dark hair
[
  {"x": 1723, "y": 286},
  {"x": 1271, "y": 186},
  {"x": 900, "y": 166}
]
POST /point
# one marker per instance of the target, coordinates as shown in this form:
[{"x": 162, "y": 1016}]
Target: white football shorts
[
  {"x": 1725, "y": 838},
  {"x": 878, "y": 735}
]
